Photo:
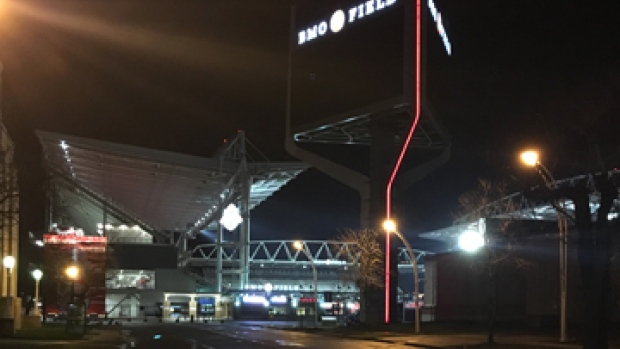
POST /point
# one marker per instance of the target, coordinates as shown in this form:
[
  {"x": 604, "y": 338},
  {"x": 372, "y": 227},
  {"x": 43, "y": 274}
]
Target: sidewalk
[
  {"x": 476, "y": 341},
  {"x": 445, "y": 339}
]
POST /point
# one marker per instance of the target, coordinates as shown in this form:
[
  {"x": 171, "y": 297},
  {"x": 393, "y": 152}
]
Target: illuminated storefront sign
[
  {"x": 340, "y": 18},
  {"x": 307, "y": 300},
  {"x": 281, "y": 299},
  {"x": 72, "y": 239},
  {"x": 440, "y": 28},
  {"x": 254, "y": 299}
]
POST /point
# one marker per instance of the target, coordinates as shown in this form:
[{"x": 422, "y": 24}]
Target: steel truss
[
  {"x": 324, "y": 253},
  {"x": 529, "y": 205}
]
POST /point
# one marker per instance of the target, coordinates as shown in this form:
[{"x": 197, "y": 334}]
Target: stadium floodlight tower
[{"x": 355, "y": 98}]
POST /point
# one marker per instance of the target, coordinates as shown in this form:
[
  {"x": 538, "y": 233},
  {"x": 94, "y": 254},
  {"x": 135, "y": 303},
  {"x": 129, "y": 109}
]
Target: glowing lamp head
[
  {"x": 529, "y": 158},
  {"x": 471, "y": 241},
  {"x": 37, "y": 274},
  {"x": 72, "y": 272},
  {"x": 298, "y": 245},
  {"x": 231, "y": 217},
  {"x": 389, "y": 225},
  {"x": 9, "y": 262}
]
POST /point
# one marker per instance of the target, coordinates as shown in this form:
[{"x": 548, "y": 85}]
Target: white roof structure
[
  {"x": 531, "y": 205},
  {"x": 157, "y": 190}
]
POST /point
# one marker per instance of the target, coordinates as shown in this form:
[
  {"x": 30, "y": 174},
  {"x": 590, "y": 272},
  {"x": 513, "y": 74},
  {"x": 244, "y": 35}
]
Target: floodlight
[{"x": 471, "y": 241}]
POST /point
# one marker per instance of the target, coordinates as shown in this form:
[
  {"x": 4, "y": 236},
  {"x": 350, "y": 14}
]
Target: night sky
[{"x": 183, "y": 75}]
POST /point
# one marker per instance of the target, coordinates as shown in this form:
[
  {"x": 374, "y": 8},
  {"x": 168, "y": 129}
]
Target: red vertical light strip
[{"x": 388, "y": 194}]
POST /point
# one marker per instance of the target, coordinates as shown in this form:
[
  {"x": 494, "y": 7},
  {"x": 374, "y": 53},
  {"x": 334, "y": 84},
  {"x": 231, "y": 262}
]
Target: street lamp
[
  {"x": 72, "y": 272},
  {"x": 9, "y": 264},
  {"x": 531, "y": 158},
  {"x": 301, "y": 247},
  {"x": 37, "y": 274},
  {"x": 390, "y": 227}
]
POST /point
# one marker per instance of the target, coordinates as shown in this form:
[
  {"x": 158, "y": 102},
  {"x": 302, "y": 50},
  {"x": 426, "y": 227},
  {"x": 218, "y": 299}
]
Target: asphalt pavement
[
  {"x": 444, "y": 339},
  {"x": 104, "y": 337},
  {"x": 276, "y": 334}
]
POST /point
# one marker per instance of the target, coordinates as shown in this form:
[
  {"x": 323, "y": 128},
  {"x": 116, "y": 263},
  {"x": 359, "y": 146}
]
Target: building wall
[
  {"x": 9, "y": 208},
  {"x": 174, "y": 280},
  {"x": 141, "y": 256},
  {"x": 133, "y": 303},
  {"x": 458, "y": 288}
]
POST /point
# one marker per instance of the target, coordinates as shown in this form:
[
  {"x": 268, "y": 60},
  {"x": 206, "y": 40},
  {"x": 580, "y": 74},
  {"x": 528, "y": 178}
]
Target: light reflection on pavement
[{"x": 232, "y": 335}]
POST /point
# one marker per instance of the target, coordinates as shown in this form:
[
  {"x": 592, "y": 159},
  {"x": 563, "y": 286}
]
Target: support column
[
  {"x": 244, "y": 235},
  {"x": 192, "y": 306},
  {"x": 182, "y": 246},
  {"x": 105, "y": 220},
  {"x": 218, "y": 246},
  {"x": 165, "y": 311},
  {"x": 220, "y": 308},
  {"x": 9, "y": 215},
  {"x": 50, "y": 202}
]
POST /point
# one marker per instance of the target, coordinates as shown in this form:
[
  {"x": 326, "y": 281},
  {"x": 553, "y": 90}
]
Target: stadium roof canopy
[
  {"x": 531, "y": 205},
  {"x": 159, "y": 191}
]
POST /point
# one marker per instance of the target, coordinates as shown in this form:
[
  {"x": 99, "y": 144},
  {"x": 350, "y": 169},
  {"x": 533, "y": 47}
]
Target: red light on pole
[{"x": 399, "y": 161}]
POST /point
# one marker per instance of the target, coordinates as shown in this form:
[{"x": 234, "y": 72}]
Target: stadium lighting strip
[
  {"x": 388, "y": 194},
  {"x": 65, "y": 149},
  {"x": 441, "y": 30}
]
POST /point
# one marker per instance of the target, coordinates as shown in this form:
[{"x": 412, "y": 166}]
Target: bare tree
[
  {"x": 367, "y": 255},
  {"x": 480, "y": 205},
  {"x": 581, "y": 120}
]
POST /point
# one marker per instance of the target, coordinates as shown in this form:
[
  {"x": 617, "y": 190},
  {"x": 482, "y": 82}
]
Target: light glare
[
  {"x": 529, "y": 157},
  {"x": 471, "y": 241},
  {"x": 72, "y": 272},
  {"x": 389, "y": 225},
  {"x": 9, "y": 262},
  {"x": 231, "y": 218}
]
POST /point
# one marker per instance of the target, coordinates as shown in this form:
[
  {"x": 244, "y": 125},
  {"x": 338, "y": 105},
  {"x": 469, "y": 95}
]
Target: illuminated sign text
[
  {"x": 340, "y": 18},
  {"x": 72, "y": 239}
]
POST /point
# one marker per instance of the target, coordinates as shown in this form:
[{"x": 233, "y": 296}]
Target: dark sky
[{"x": 182, "y": 75}]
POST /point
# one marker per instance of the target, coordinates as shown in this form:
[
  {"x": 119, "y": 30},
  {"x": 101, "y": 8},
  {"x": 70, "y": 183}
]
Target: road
[{"x": 233, "y": 335}]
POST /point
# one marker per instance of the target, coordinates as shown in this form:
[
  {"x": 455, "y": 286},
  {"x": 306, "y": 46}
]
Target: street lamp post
[
  {"x": 37, "y": 274},
  {"x": 9, "y": 264},
  {"x": 72, "y": 272},
  {"x": 300, "y": 247},
  {"x": 531, "y": 158},
  {"x": 390, "y": 227}
]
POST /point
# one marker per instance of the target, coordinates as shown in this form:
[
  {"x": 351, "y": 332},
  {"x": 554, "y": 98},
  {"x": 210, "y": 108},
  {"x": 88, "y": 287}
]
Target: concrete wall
[{"x": 174, "y": 280}]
